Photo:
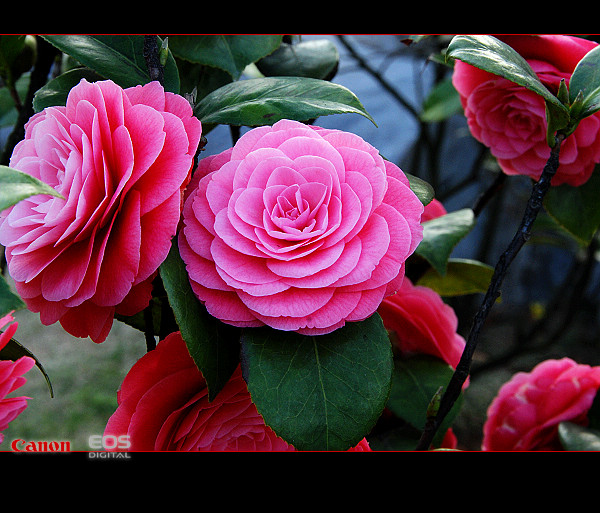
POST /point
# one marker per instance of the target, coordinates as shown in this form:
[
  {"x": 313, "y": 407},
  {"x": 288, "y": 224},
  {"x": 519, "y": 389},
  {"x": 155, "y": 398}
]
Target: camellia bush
[{"x": 292, "y": 288}]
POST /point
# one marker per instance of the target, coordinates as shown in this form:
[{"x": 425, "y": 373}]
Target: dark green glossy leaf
[
  {"x": 214, "y": 346},
  {"x": 56, "y": 91},
  {"x": 119, "y": 58},
  {"x": 442, "y": 234},
  {"x": 415, "y": 382},
  {"x": 576, "y": 209},
  {"x": 229, "y": 52},
  {"x": 316, "y": 58},
  {"x": 319, "y": 392},
  {"x": 422, "y": 189},
  {"x": 16, "y": 186},
  {"x": 462, "y": 277},
  {"x": 263, "y": 101},
  {"x": 586, "y": 78}
]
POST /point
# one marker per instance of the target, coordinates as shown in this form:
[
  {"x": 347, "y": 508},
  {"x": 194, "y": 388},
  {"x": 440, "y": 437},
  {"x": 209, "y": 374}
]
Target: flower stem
[
  {"x": 461, "y": 373},
  {"x": 155, "y": 68}
]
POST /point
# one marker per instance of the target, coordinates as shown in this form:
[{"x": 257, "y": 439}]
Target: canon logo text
[{"x": 20, "y": 445}]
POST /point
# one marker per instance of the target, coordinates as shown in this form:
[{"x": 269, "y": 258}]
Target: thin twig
[
  {"x": 155, "y": 68},
  {"x": 520, "y": 238}
]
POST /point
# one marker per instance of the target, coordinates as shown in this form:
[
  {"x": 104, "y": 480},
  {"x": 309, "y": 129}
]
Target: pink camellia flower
[
  {"x": 433, "y": 210},
  {"x": 420, "y": 322},
  {"x": 11, "y": 378},
  {"x": 525, "y": 414},
  {"x": 511, "y": 120},
  {"x": 298, "y": 227},
  {"x": 163, "y": 406},
  {"x": 120, "y": 158}
]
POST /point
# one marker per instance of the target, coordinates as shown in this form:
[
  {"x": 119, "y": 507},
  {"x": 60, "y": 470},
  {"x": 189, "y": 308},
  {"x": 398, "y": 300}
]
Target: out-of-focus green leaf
[
  {"x": 442, "y": 102},
  {"x": 576, "y": 209},
  {"x": 574, "y": 437},
  {"x": 9, "y": 301}
]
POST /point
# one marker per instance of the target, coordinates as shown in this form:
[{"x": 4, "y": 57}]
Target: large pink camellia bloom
[
  {"x": 298, "y": 227},
  {"x": 525, "y": 414},
  {"x": 511, "y": 120},
  {"x": 421, "y": 323},
  {"x": 164, "y": 406},
  {"x": 120, "y": 158},
  {"x": 11, "y": 378}
]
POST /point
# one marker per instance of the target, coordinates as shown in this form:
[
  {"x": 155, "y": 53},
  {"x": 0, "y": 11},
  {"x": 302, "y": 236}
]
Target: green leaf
[
  {"x": 16, "y": 186},
  {"x": 56, "y": 91},
  {"x": 415, "y": 382},
  {"x": 213, "y": 345},
  {"x": 463, "y": 276},
  {"x": 422, "y": 189},
  {"x": 442, "y": 234},
  {"x": 576, "y": 209},
  {"x": 231, "y": 53},
  {"x": 494, "y": 56},
  {"x": 574, "y": 437},
  {"x": 317, "y": 58},
  {"x": 586, "y": 78},
  {"x": 9, "y": 301},
  {"x": 263, "y": 101},
  {"x": 14, "y": 350},
  {"x": 319, "y": 392},
  {"x": 442, "y": 102},
  {"x": 119, "y": 58}
]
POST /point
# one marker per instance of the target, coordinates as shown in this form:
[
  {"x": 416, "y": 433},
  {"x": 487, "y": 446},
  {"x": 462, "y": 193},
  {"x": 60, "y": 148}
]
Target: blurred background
[{"x": 549, "y": 306}]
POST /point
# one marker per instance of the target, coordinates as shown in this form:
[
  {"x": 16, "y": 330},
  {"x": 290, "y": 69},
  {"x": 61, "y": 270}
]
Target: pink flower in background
[
  {"x": 120, "y": 158},
  {"x": 298, "y": 227},
  {"x": 164, "y": 406},
  {"x": 525, "y": 414},
  {"x": 433, "y": 209},
  {"x": 420, "y": 322},
  {"x": 11, "y": 378},
  {"x": 511, "y": 120}
]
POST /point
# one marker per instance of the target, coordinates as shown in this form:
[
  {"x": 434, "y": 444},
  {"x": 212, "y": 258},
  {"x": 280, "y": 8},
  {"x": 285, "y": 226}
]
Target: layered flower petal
[
  {"x": 11, "y": 377},
  {"x": 121, "y": 159},
  {"x": 299, "y": 227},
  {"x": 526, "y": 412}
]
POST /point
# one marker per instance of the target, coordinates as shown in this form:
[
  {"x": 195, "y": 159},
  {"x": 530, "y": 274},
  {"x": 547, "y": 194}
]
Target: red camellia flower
[
  {"x": 298, "y": 227},
  {"x": 511, "y": 120},
  {"x": 11, "y": 378},
  {"x": 120, "y": 158},
  {"x": 164, "y": 406},
  {"x": 421, "y": 323},
  {"x": 525, "y": 414}
]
